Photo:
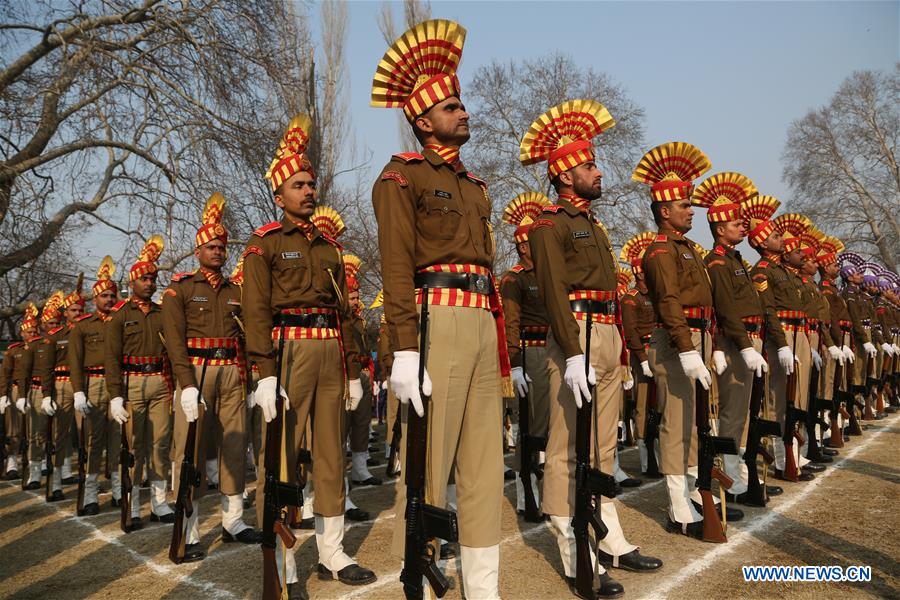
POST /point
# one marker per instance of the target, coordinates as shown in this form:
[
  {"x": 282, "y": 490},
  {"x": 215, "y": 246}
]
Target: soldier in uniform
[
  {"x": 861, "y": 323},
  {"x": 58, "y": 401},
  {"x": 87, "y": 347},
  {"x": 434, "y": 230},
  {"x": 638, "y": 320},
  {"x": 576, "y": 273},
  {"x": 136, "y": 368},
  {"x": 740, "y": 317},
  {"x": 872, "y": 282},
  {"x": 22, "y": 375},
  {"x": 385, "y": 362},
  {"x": 11, "y": 390},
  {"x": 526, "y": 324},
  {"x": 201, "y": 327},
  {"x": 295, "y": 286}
]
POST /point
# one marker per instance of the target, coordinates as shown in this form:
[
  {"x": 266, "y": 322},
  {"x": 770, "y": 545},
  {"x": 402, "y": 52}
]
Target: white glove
[
  {"x": 755, "y": 361},
  {"x": 4, "y": 402},
  {"x": 817, "y": 359},
  {"x": 356, "y": 394},
  {"x": 520, "y": 380},
  {"x": 81, "y": 403},
  {"x": 848, "y": 354},
  {"x": 889, "y": 350},
  {"x": 385, "y": 385},
  {"x": 870, "y": 349},
  {"x": 251, "y": 399},
  {"x": 694, "y": 368},
  {"x": 645, "y": 367},
  {"x": 835, "y": 353},
  {"x": 22, "y": 404},
  {"x": 576, "y": 380},
  {"x": 719, "y": 362},
  {"x": 47, "y": 406},
  {"x": 405, "y": 379},
  {"x": 786, "y": 358},
  {"x": 117, "y": 410},
  {"x": 896, "y": 349},
  {"x": 265, "y": 397},
  {"x": 628, "y": 384},
  {"x": 190, "y": 403}
]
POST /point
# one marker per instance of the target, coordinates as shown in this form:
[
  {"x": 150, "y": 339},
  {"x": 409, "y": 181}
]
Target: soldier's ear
[{"x": 279, "y": 202}]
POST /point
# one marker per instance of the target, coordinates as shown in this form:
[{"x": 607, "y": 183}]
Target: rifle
[
  {"x": 816, "y": 404},
  {"x": 529, "y": 446},
  {"x": 791, "y": 471},
  {"x": 49, "y": 446},
  {"x": 424, "y": 522},
  {"x": 756, "y": 430},
  {"x": 651, "y": 431},
  {"x": 283, "y": 499},
  {"x": 82, "y": 466},
  {"x": 708, "y": 446},
  {"x": 23, "y": 447},
  {"x": 853, "y": 427},
  {"x": 628, "y": 411},
  {"x": 590, "y": 484},
  {"x": 396, "y": 434},
  {"x": 188, "y": 480},
  {"x": 837, "y": 438},
  {"x": 126, "y": 462}
]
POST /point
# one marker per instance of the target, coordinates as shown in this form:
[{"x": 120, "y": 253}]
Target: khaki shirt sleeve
[
  {"x": 76, "y": 358},
  {"x": 825, "y": 337},
  {"x": 855, "y": 309},
  {"x": 113, "y": 364},
  {"x": 774, "y": 330},
  {"x": 661, "y": 272},
  {"x": 512, "y": 309},
  {"x": 395, "y": 211},
  {"x": 256, "y": 306},
  {"x": 348, "y": 341},
  {"x": 630, "y": 327},
  {"x": 45, "y": 363},
  {"x": 22, "y": 370},
  {"x": 834, "y": 307},
  {"x": 174, "y": 327},
  {"x": 6, "y": 374},
  {"x": 728, "y": 322},
  {"x": 546, "y": 251},
  {"x": 385, "y": 356}
]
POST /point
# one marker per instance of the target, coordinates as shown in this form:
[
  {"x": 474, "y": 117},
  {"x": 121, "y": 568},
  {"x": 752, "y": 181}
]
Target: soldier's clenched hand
[
  {"x": 694, "y": 368},
  {"x": 265, "y": 397},
  {"x": 356, "y": 394},
  {"x": 576, "y": 379},
  {"x": 117, "y": 410},
  {"x": 405, "y": 379}
]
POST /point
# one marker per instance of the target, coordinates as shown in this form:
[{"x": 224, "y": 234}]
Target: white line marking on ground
[{"x": 697, "y": 565}]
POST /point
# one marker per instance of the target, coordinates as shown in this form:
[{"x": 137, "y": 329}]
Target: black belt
[
  {"x": 467, "y": 282},
  {"x": 695, "y": 323},
  {"x": 753, "y": 327},
  {"x": 597, "y": 307},
  {"x": 533, "y": 336},
  {"x": 813, "y": 326},
  {"x": 866, "y": 322},
  {"x": 323, "y": 321},
  {"x": 146, "y": 369},
  {"x": 95, "y": 370},
  {"x": 213, "y": 353},
  {"x": 793, "y": 322}
]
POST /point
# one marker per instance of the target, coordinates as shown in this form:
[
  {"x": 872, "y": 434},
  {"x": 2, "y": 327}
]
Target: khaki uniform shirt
[
  {"x": 87, "y": 348},
  {"x": 779, "y": 291},
  {"x": 26, "y": 365},
  {"x": 571, "y": 251},
  {"x": 858, "y": 309},
  {"x": 131, "y": 333},
  {"x": 56, "y": 356},
  {"x": 734, "y": 295},
  {"x": 428, "y": 213},
  {"x": 385, "y": 355},
  {"x": 638, "y": 321},
  {"x": 7, "y": 373},
  {"x": 837, "y": 309},
  {"x": 522, "y": 307},
  {"x": 816, "y": 307}
]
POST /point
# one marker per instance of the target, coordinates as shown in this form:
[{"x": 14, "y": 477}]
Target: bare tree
[
  {"x": 503, "y": 100},
  {"x": 840, "y": 162}
]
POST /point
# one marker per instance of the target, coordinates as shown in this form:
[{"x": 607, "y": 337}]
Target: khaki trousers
[
  {"x": 777, "y": 399},
  {"x": 465, "y": 419},
  {"x": 642, "y": 385},
  {"x": 62, "y": 421},
  {"x": 538, "y": 369},
  {"x": 734, "y": 384},
  {"x": 149, "y": 426},
  {"x": 225, "y": 420},
  {"x": 12, "y": 421},
  {"x": 861, "y": 364},
  {"x": 102, "y": 433},
  {"x": 312, "y": 374},
  {"x": 559, "y": 470},
  {"x": 37, "y": 426},
  {"x": 676, "y": 399},
  {"x": 358, "y": 420}
]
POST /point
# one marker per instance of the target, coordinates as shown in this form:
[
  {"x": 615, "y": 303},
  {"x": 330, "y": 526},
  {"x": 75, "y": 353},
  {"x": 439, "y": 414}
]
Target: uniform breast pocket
[
  {"x": 587, "y": 253},
  {"x": 204, "y": 317},
  {"x": 442, "y": 217},
  {"x": 132, "y": 335},
  {"x": 94, "y": 340},
  {"x": 292, "y": 276}
]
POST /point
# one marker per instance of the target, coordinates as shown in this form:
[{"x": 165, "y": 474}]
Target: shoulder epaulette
[
  {"x": 477, "y": 180},
  {"x": 333, "y": 242},
  {"x": 84, "y": 316},
  {"x": 552, "y": 208},
  {"x": 720, "y": 250},
  {"x": 409, "y": 156},
  {"x": 179, "y": 276},
  {"x": 541, "y": 224},
  {"x": 517, "y": 269},
  {"x": 762, "y": 264},
  {"x": 15, "y": 345},
  {"x": 661, "y": 238},
  {"x": 56, "y": 330},
  {"x": 632, "y": 292},
  {"x": 268, "y": 228},
  {"x": 118, "y": 305}
]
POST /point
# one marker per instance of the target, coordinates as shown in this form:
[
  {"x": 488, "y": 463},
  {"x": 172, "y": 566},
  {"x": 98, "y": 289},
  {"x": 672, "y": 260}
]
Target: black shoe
[
  {"x": 90, "y": 510},
  {"x": 193, "y": 553},
  {"x": 56, "y": 496},
  {"x": 357, "y": 514},
  {"x": 247, "y": 536},
  {"x": 630, "y": 482},
  {"x": 824, "y": 459},
  {"x": 774, "y": 490},
  {"x": 812, "y": 468},
  {"x": 12, "y": 475},
  {"x": 349, "y": 575},
  {"x": 448, "y": 551},
  {"x": 136, "y": 523},
  {"x": 370, "y": 481},
  {"x": 212, "y": 486},
  {"x": 804, "y": 475},
  {"x": 374, "y": 449},
  {"x": 694, "y": 530},
  {"x": 509, "y": 475},
  {"x": 745, "y": 499},
  {"x": 44, "y": 472},
  {"x": 609, "y": 587},
  {"x": 168, "y": 518},
  {"x": 733, "y": 514},
  {"x": 115, "y": 502},
  {"x": 71, "y": 480},
  {"x": 296, "y": 592},
  {"x": 633, "y": 561},
  {"x": 309, "y": 523},
  {"x": 830, "y": 452},
  {"x": 33, "y": 485}
]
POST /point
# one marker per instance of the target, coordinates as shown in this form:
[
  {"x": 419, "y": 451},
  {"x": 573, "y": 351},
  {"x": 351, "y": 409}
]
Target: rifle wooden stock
[
  {"x": 724, "y": 480},
  {"x": 285, "y": 533},
  {"x": 712, "y": 524},
  {"x": 528, "y": 447},
  {"x": 765, "y": 454},
  {"x": 630, "y": 403}
]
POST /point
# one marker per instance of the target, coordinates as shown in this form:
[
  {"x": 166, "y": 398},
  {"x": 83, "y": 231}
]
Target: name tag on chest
[
  {"x": 199, "y": 299},
  {"x": 234, "y": 303},
  {"x": 687, "y": 256},
  {"x": 443, "y": 194},
  {"x": 578, "y": 235},
  {"x": 291, "y": 255},
  {"x": 740, "y": 272}
]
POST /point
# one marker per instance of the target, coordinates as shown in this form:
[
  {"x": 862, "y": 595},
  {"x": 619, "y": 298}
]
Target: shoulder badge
[
  {"x": 661, "y": 238},
  {"x": 15, "y": 345},
  {"x": 333, "y": 242},
  {"x": 395, "y": 176},
  {"x": 715, "y": 262},
  {"x": 268, "y": 228},
  {"x": 541, "y": 224},
  {"x": 118, "y": 305},
  {"x": 552, "y": 208},
  {"x": 181, "y": 276},
  {"x": 56, "y": 330},
  {"x": 408, "y": 157},
  {"x": 720, "y": 250},
  {"x": 762, "y": 264},
  {"x": 477, "y": 180},
  {"x": 656, "y": 252},
  {"x": 170, "y": 292},
  {"x": 84, "y": 316},
  {"x": 252, "y": 250},
  {"x": 517, "y": 269}
]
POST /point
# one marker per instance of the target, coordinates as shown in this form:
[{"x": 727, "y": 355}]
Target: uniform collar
[
  {"x": 577, "y": 202},
  {"x": 672, "y": 233},
  {"x": 288, "y": 226},
  {"x": 571, "y": 209},
  {"x": 437, "y": 160}
]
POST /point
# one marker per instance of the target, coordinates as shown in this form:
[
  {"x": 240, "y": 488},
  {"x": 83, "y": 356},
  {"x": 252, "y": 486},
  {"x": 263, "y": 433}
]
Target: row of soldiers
[{"x": 560, "y": 331}]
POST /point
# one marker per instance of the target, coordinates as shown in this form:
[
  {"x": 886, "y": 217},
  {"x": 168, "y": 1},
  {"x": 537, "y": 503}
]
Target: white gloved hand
[
  {"x": 645, "y": 367},
  {"x": 265, "y": 397},
  {"x": 888, "y": 349},
  {"x": 719, "y": 363},
  {"x": 4, "y": 403},
  {"x": 520, "y": 380},
  {"x": 47, "y": 406},
  {"x": 896, "y": 349},
  {"x": 694, "y": 368},
  {"x": 755, "y": 361},
  {"x": 817, "y": 359},
  {"x": 849, "y": 354},
  {"x": 870, "y": 349},
  {"x": 786, "y": 358},
  {"x": 81, "y": 403},
  {"x": 575, "y": 379},
  {"x": 117, "y": 410},
  {"x": 405, "y": 379},
  {"x": 251, "y": 399},
  {"x": 628, "y": 384},
  {"x": 22, "y": 404},
  {"x": 190, "y": 401},
  {"x": 836, "y": 354},
  {"x": 385, "y": 385},
  {"x": 356, "y": 394}
]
